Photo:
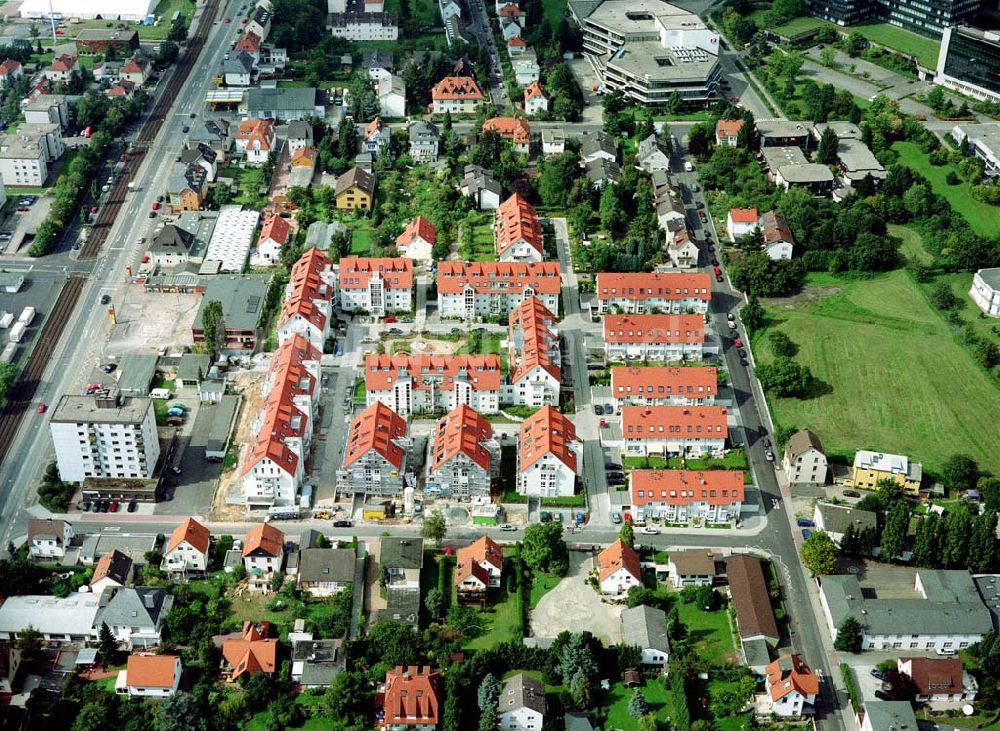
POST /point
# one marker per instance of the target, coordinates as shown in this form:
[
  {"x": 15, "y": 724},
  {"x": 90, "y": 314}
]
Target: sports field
[{"x": 890, "y": 375}]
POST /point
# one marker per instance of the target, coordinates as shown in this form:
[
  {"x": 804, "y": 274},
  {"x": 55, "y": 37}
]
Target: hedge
[{"x": 852, "y": 691}]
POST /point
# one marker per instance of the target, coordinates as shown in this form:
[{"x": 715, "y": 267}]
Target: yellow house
[
  {"x": 870, "y": 468},
  {"x": 355, "y": 189}
]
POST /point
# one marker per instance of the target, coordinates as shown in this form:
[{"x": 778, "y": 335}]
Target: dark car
[
  {"x": 744, "y": 362},
  {"x": 805, "y": 523},
  {"x": 852, "y": 493},
  {"x": 598, "y": 409},
  {"x": 882, "y": 696},
  {"x": 719, "y": 278},
  {"x": 105, "y": 504},
  {"x": 711, "y": 248},
  {"x": 105, "y": 299},
  {"x": 611, "y": 466},
  {"x": 743, "y": 354},
  {"x": 876, "y": 673},
  {"x": 715, "y": 262},
  {"x": 109, "y": 367},
  {"x": 342, "y": 524},
  {"x": 132, "y": 506},
  {"x": 85, "y": 506}
]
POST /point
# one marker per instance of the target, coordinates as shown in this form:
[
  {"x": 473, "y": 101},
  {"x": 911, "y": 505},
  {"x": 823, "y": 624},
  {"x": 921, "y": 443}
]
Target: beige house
[{"x": 804, "y": 460}]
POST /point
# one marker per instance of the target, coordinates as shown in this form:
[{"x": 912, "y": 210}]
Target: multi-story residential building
[
  {"x": 365, "y": 26},
  {"x": 306, "y": 308},
  {"x": 410, "y": 384},
  {"x": 186, "y": 188},
  {"x": 549, "y": 456},
  {"x": 804, "y": 460},
  {"x": 522, "y": 702},
  {"x": 242, "y": 299},
  {"x": 106, "y": 435},
  {"x": 22, "y": 162},
  {"x": 664, "y": 385},
  {"x": 674, "y": 430},
  {"x": 464, "y": 457},
  {"x": 985, "y": 291},
  {"x": 618, "y": 569},
  {"x": 376, "y": 286},
  {"x": 377, "y": 137},
  {"x": 62, "y": 67},
  {"x": 517, "y": 232},
  {"x": 355, "y": 190},
  {"x": 534, "y": 356},
  {"x": 456, "y": 94},
  {"x": 274, "y": 235},
  {"x": 648, "y": 50},
  {"x": 943, "y": 611},
  {"x": 969, "y": 62},
  {"x": 870, "y": 468},
  {"x": 263, "y": 555},
  {"x": 273, "y": 462},
  {"x": 256, "y": 138},
  {"x": 654, "y": 337},
  {"x": 685, "y": 496},
  {"x": 48, "y": 538},
  {"x": 149, "y": 676},
  {"x": 492, "y": 289},
  {"x": 425, "y": 140},
  {"x": 791, "y": 687},
  {"x": 136, "y": 69},
  {"x": 187, "y": 549},
  {"x": 664, "y": 292},
  {"x": 375, "y": 457},
  {"x": 135, "y": 616},
  {"x": 411, "y": 699}
]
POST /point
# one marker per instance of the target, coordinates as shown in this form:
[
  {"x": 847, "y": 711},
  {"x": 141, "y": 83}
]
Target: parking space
[
  {"x": 29, "y": 212},
  {"x": 191, "y": 492},
  {"x": 40, "y": 290}
]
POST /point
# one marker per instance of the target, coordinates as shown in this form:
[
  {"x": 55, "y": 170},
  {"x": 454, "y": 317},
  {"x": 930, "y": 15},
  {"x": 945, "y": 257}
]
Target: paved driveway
[{"x": 574, "y": 605}]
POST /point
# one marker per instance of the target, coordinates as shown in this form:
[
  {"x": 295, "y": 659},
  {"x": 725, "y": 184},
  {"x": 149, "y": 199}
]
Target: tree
[
  {"x": 29, "y": 642},
  {"x": 753, "y": 315},
  {"x": 108, "y": 645},
  {"x": 781, "y": 344},
  {"x": 674, "y": 102},
  {"x": 849, "y": 636},
  {"x": 784, "y": 377},
  {"x": 180, "y": 712},
  {"x": 828, "y": 56},
  {"x": 943, "y": 297},
  {"x": 348, "y": 699},
  {"x": 627, "y": 535},
  {"x": 897, "y": 523},
  {"x": 434, "y": 527},
  {"x": 577, "y": 657},
  {"x": 648, "y": 723},
  {"x": 488, "y": 698},
  {"x": 638, "y": 706},
  {"x": 960, "y": 473},
  {"x": 826, "y": 153},
  {"x": 955, "y": 550},
  {"x": 434, "y": 601},
  {"x": 819, "y": 553},
  {"x": 213, "y": 326},
  {"x": 700, "y": 141},
  {"x": 707, "y": 598},
  {"x": 926, "y": 542},
  {"x": 935, "y": 98},
  {"x": 983, "y": 544},
  {"x": 581, "y": 690},
  {"x": 544, "y": 548},
  {"x": 94, "y": 716}
]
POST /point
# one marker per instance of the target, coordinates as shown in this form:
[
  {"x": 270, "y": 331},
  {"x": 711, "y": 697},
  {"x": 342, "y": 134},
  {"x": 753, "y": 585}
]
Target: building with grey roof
[
  {"x": 788, "y": 166},
  {"x": 283, "y": 104},
  {"x": 171, "y": 246},
  {"x": 220, "y": 431},
  {"x": 401, "y": 559},
  {"x": 320, "y": 234},
  {"x": 857, "y": 162},
  {"x": 646, "y": 628},
  {"x": 135, "y": 373},
  {"x": 782, "y": 133},
  {"x": 425, "y": 139},
  {"x": 192, "y": 368},
  {"x": 942, "y": 611},
  {"x": 242, "y": 301},
  {"x": 985, "y": 291},
  {"x": 133, "y": 545},
  {"x": 480, "y": 185},
  {"x": 602, "y": 172},
  {"x": 522, "y": 703},
  {"x": 889, "y": 716},
  {"x": 378, "y": 60},
  {"x": 578, "y": 722},
  {"x": 653, "y": 154},
  {"x": 756, "y": 655},
  {"x": 135, "y": 615},
  {"x": 836, "y": 519},
  {"x": 237, "y": 68},
  {"x": 402, "y": 605},
  {"x": 326, "y": 571},
  {"x": 597, "y": 145},
  {"x": 981, "y": 140},
  {"x": 58, "y": 620},
  {"x": 315, "y": 663}
]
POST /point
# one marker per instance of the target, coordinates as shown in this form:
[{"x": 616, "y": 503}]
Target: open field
[
  {"x": 709, "y": 633},
  {"x": 890, "y": 374},
  {"x": 500, "y": 621},
  {"x": 798, "y": 26},
  {"x": 925, "y": 50},
  {"x": 617, "y": 704},
  {"x": 984, "y": 218}
]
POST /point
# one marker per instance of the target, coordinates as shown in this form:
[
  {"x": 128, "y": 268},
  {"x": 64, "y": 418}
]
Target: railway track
[
  {"x": 133, "y": 159},
  {"x": 20, "y": 397}
]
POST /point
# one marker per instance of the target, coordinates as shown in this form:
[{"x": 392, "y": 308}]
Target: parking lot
[{"x": 147, "y": 321}]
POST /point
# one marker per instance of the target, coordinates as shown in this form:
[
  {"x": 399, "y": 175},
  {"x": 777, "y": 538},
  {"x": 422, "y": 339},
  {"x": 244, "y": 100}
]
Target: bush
[{"x": 852, "y": 691}]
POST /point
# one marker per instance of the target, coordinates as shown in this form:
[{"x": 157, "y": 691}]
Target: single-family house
[
  {"x": 401, "y": 560},
  {"x": 263, "y": 555},
  {"x": 598, "y": 144},
  {"x": 646, "y": 628},
  {"x": 113, "y": 570},
  {"x": 751, "y": 600},
  {"x": 478, "y": 568},
  {"x": 136, "y": 615},
  {"x": 618, "y": 568},
  {"x": 377, "y": 137},
  {"x": 355, "y": 190},
  {"x": 894, "y": 715},
  {"x": 256, "y": 139},
  {"x": 325, "y": 571},
  {"x": 410, "y": 699},
  {"x": 480, "y": 185},
  {"x": 188, "y": 547},
  {"x": 136, "y": 69},
  {"x": 938, "y": 679},
  {"x": 727, "y": 131},
  {"x": 804, "y": 461},
  {"x": 692, "y": 567},
  {"x": 836, "y": 520},
  {"x": 315, "y": 662},
  {"x": 740, "y": 222},
  {"x": 417, "y": 240},
  {"x": 985, "y": 291},
  {"x": 62, "y": 67},
  {"x": 521, "y": 706},
  {"x": 535, "y": 100},
  {"x": 778, "y": 239},
  {"x": 653, "y": 154},
  {"x": 251, "y": 651},
  {"x": 456, "y": 94},
  {"x": 870, "y": 468},
  {"x": 274, "y": 235},
  {"x": 425, "y": 139},
  {"x": 682, "y": 249},
  {"x": 515, "y": 130},
  {"x": 48, "y": 538},
  {"x": 791, "y": 687},
  {"x": 149, "y": 676}
]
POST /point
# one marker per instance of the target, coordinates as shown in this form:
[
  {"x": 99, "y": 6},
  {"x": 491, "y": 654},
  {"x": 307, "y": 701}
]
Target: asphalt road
[{"x": 81, "y": 348}]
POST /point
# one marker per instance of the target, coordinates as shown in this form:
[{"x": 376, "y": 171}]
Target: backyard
[
  {"x": 618, "y": 697},
  {"x": 500, "y": 622},
  {"x": 889, "y": 373},
  {"x": 709, "y": 633}
]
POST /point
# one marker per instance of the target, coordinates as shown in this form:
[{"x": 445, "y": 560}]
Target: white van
[{"x": 688, "y": 166}]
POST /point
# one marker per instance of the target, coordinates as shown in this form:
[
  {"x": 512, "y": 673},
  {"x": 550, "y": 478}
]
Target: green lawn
[
  {"x": 984, "y": 218},
  {"x": 555, "y": 10},
  {"x": 361, "y": 241},
  {"x": 709, "y": 632},
  {"x": 618, "y": 697},
  {"x": 799, "y": 26},
  {"x": 316, "y": 723},
  {"x": 890, "y": 374},
  {"x": 728, "y": 723},
  {"x": 925, "y": 50},
  {"x": 541, "y": 584},
  {"x": 360, "y": 394},
  {"x": 500, "y": 618},
  {"x": 912, "y": 246}
]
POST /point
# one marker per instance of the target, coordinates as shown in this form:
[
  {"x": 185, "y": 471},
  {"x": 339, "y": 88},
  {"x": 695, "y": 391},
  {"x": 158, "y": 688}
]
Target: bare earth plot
[{"x": 575, "y": 606}]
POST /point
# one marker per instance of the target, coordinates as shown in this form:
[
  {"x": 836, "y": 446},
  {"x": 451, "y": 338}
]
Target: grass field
[
  {"x": 541, "y": 584},
  {"x": 925, "y": 50},
  {"x": 798, "y": 26},
  {"x": 314, "y": 723},
  {"x": 555, "y": 10},
  {"x": 890, "y": 374},
  {"x": 500, "y": 619},
  {"x": 618, "y": 697},
  {"x": 711, "y": 638},
  {"x": 361, "y": 241},
  {"x": 984, "y": 218}
]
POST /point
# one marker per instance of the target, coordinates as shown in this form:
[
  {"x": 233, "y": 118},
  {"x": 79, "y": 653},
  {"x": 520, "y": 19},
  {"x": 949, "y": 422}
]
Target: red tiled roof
[
  {"x": 728, "y": 127},
  {"x": 122, "y": 87},
  {"x": 374, "y": 127},
  {"x": 515, "y": 221},
  {"x": 461, "y": 431},
  {"x": 789, "y": 673},
  {"x": 412, "y": 696},
  {"x": 304, "y": 154},
  {"x": 355, "y": 272},
  {"x": 260, "y": 130},
  {"x": 534, "y": 89},
  {"x": 456, "y": 87},
  {"x": 191, "y": 531},
  {"x": 64, "y": 62},
  {"x": 498, "y": 277},
  {"x": 150, "y": 671},
  {"x": 377, "y": 427},
  {"x": 534, "y": 320},
  {"x": 645, "y": 285},
  {"x": 307, "y": 289},
  {"x": 618, "y": 556},
  {"x": 114, "y": 564},
  {"x": 682, "y": 487},
  {"x": 743, "y": 215},
  {"x": 654, "y": 329},
  {"x": 419, "y": 227},
  {"x": 9, "y": 66},
  {"x": 275, "y": 228},
  {"x": 482, "y": 372},
  {"x": 774, "y": 228},
  {"x": 249, "y": 42},
  {"x": 546, "y": 432},
  {"x": 662, "y": 422},
  {"x": 509, "y": 9},
  {"x": 466, "y": 568},
  {"x": 254, "y": 652},
  {"x": 934, "y": 676},
  {"x": 516, "y": 41},
  {"x": 482, "y": 550},
  {"x": 660, "y": 382},
  {"x": 265, "y": 538},
  {"x": 135, "y": 65},
  {"x": 514, "y": 129}
]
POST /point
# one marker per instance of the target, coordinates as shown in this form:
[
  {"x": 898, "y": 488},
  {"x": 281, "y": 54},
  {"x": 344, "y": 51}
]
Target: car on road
[
  {"x": 806, "y": 532},
  {"x": 109, "y": 367},
  {"x": 744, "y": 362},
  {"x": 342, "y": 524},
  {"x": 743, "y": 353},
  {"x": 732, "y": 325},
  {"x": 852, "y": 493},
  {"x": 731, "y": 317},
  {"x": 719, "y": 278},
  {"x": 604, "y": 424},
  {"x": 42, "y": 408},
  {"x": 132, "y": 506},
  {"x": 227, "y": 20},
  {"x": 105, "y": 299},
  {"x": 649, "y": 530},
  {"x": 711, "y": 247},
  {"x": 395, "y": 331},
  {"x": 506, "y": 527},
  {"x": 598, "y": 409},
  {"x": 715, "y": 262},
  {"x": 616, "y": 518},
  {"x": 737, "y": 343},
  {"x": 93, "y": 388}
]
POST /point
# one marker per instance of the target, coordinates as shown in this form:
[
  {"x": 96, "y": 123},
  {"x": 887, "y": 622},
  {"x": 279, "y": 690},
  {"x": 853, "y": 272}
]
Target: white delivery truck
[
  {"x": 6, "y": 320},
  {"x": 17, "y": 332},
  {"x": 27, "y": 315}
]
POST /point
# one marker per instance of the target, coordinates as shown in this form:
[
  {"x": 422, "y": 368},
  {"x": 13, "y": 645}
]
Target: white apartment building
[
  {"x": 308, "y": 299},
  {"x": 549, "y": 456},
  {"x": 365, "y": 26},
  {"x": 664, "y": 385},
  {"x": 985, "y": 291},
  {"x": 683, "y": 496},
  {"x": 410, "y": 384},
  {"x": 376, "y": 286},
  {"x": 104, "y": 436},
  {"x": 464, "y": 457},
  {"x": 22, "y": 163},
  {"x": 491, "y": 289},
  {"x": 650, "y": 292},
  {"x": 534, "y": 356},
  {"x": 669, "y": 338},
  {"x": 674, "y": 430}
]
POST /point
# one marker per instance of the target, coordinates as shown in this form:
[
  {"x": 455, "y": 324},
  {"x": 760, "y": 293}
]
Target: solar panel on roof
[{"x": 253, "y": 303}]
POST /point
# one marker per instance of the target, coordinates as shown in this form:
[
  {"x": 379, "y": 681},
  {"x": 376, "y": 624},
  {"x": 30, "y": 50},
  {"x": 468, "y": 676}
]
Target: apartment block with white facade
[
  {"x": 664, "y": 385},
  {"x": 652, "y": 292},
  {"x": 377, "y": 286},
  {"x": 985, "y": 291},
  {"x": 308, "y": 301},
  {"x": 670, "y": 338},
  {"x": 687, "y": 496},
  {"x": 410, "y": 384},
  {"x": 464, "y": 457},
  {"x": 549, "y": 455},
  {"x": 534, "y": 356},
  {"x": 674, "y": 430},
  {"x": 107, "y": 435},
  {"x": 491, "y": 289}
]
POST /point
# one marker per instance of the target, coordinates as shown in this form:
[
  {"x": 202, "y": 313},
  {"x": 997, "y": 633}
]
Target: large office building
[
  {"x": 106, "y": 435},
  {"x": 927, "y": 17},
  {"x": 649, "y": 49},
  {"x": 969, "y": 62}
]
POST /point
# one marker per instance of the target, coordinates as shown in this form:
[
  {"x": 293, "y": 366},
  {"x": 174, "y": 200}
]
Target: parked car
[
  {"x": 805, "y": 523},
  {"x": 744, "y": 362},
  {"x": 395, "y": 331},
  {"x": 876, "y": 673},
  {"x": 769, "y": 455},
  {"x": 42, "y": 408},
  {"x": 731, "y": 317},
  {"x": 114, "y": 506},
  {"x": 109, "y": 367},
  {"x": 132, "y": 506},
  {"x": 342, "y": 524},
  {"x": 716, "y": 270},
  {"x": 616, "y": 518},
  {"x": 506, "y": 527},
  {"x": 806, "y": 532},
  {"x": 947, "y": 651},
  {"x": 852, "y": 493},
  {"x": 598, "y": 409},
  {"x": 105, "y": 299},
  {"x": 718, "y": 278},
  {"x": 390, "y": 319},
  {"x": 85, "y": 506},
  {"x": 649, "y": 530},
  {"x": 737, "y": 342}
]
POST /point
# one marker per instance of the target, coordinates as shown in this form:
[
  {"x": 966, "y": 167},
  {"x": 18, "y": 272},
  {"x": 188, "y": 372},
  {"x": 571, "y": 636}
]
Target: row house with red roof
[
  {"x": 689, "y": 431},
  {"x": 378, "y": 286},
  {"x": 491, "y": 289},
  {"x": 642, "y": 292},
  {"x": 281, "y": 431},
  {"x": 654, "y": 337},
  {"x": 534, "y": 356},
  {"x": 664, "y": 385},
  {"x": 307, "y": 306},
  {"x": 464, "y": 457},
  {"x": 517, "y": 232},
  {"x": 549, "y": 455},
  {"x": 423, "y": 383},
  {"x": 375, "y": 456},
  {"x": 686, "y": 496}
]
